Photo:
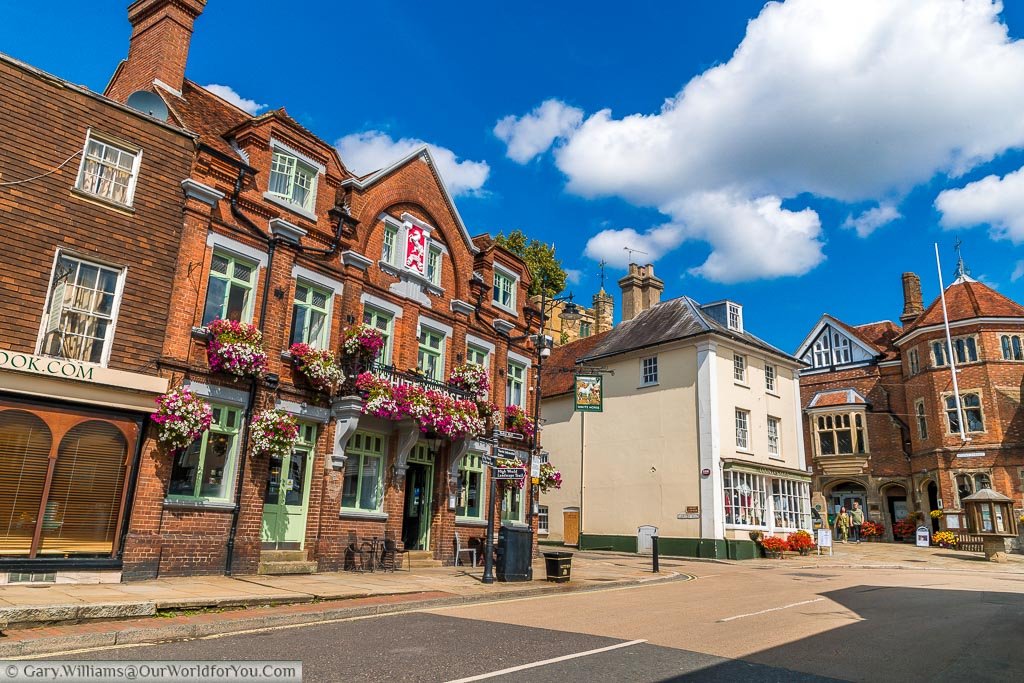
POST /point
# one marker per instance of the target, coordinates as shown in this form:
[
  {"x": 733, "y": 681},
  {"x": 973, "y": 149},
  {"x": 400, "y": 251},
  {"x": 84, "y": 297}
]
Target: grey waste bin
[{"x": 515, "y": 552}]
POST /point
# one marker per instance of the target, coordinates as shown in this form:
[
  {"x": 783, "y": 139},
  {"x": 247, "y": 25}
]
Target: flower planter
[{"x": 236, "y": 348}]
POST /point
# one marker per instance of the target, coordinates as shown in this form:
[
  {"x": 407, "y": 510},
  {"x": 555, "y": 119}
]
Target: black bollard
[{"x": 654, "y": 553}]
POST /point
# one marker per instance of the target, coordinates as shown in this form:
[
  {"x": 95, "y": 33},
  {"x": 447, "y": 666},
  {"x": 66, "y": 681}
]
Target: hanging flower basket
[
  {"x": 274, "y": 433},
  {"x": 361, "y": 346},
  {"x": 935, "y": 514},
  {"x": 472, "y": 378},
  {"x": 317, "y": 366},
  {"x": 517, "y": 421},
  {"x": 434, "y": 411},
  {"x": 506, "y": 485},
  {"x": 550, "y": 478},
  {"x": 236, "y": 349},
  {"x": 182, "y": 417}
]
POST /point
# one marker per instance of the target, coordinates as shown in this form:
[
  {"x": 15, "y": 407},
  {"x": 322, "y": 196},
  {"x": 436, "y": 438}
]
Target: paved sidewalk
[{"x": 55, "y": 618}]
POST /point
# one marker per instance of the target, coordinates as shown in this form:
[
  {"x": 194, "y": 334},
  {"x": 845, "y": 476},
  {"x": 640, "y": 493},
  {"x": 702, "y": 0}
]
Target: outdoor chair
[
  {"x": 459, "y": 551},
  {"x": 394, "y": 554},
  {"x": 356, "y": 554}
]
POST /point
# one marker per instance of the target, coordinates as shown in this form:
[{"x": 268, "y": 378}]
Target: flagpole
[{"x": 949, "y": 349}]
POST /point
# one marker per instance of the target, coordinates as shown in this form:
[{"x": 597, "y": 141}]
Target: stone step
[
  {"x": 421, "y": 559},
  {"x": 295, "y": 567},
  {"x": 283, "y": 556}
]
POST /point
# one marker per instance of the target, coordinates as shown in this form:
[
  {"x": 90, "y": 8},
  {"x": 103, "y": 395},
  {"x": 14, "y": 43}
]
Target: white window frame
[
  {"x": 325, "y": 340},
  {"x": 739, "y": 368},
  {"x": 770, "y": 378},
  {"x": 734, "y": 316},
  {"x": 317, "y": 169},
  {"x": 513, "y": 279},
  {"x": 842, "y": 349},
  {"x": 115, "y": 310},
  {"x": 774, "y": 437},
  {"x": 649, "y": 371},
  {"x": 542, "y": 519},
  {"x": 742, "y": 430},
  {"x": 121, "y": 146}
]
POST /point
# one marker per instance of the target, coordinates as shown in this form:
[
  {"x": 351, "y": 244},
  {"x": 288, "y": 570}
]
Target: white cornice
[{"x": 899, "y": 341}]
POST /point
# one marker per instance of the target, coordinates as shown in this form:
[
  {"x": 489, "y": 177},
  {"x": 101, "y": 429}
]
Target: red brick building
[
  {"x": 91, "y": 205},
  {"x": 882, "y": 423},
  {"x": 279, "y": 233}
]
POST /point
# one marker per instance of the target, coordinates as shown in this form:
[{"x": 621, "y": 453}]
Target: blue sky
[{"x": 795, "y": 118}]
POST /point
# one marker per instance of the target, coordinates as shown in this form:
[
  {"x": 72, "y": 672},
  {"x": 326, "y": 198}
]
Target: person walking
[
  {"x": 842, "y": 525},
  {"x": 856, "y": 520}
]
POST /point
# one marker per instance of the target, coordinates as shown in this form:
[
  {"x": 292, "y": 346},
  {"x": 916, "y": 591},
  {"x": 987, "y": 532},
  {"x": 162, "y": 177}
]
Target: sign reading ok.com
[{"x": 53, "y": 367}]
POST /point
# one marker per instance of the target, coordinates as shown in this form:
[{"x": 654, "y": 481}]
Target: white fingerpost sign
[{"x": 825, "y": 540}]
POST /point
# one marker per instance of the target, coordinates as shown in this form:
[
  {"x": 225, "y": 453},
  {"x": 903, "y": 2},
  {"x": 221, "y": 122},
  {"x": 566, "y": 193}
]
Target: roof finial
[
  {"x": 601, "y": 266},
  {"x": 962, "y": 271}
]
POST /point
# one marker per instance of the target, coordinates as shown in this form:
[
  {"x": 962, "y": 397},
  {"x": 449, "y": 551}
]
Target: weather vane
[{"x": 601, "y": 266}]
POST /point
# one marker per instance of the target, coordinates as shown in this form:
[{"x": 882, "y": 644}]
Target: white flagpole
[{"x": 949, "y": 349}]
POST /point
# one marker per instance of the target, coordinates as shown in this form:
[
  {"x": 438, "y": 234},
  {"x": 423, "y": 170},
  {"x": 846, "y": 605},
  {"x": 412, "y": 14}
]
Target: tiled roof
[
  {"x": 559, "y": 368},
  {"x": 881, "y": 334},
  {"x": 669, "y": 321},
  {"x": 202, "y": 112},
  {"x": 967, "y": 298},
  {"x": 836, "y": 397}
]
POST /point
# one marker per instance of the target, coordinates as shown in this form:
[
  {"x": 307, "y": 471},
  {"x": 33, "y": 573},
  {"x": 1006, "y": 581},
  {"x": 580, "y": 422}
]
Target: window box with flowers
[
  {"x": 182, "y": 417},
  {"x": 274, "y": 433},
  {"x": 516, "y": 420},
  {"x": 434, "y": 411},
  {"x": 774, "y": 546},
  {"x": 317, "y": 366},
  {"x": 236, "y": 348}
]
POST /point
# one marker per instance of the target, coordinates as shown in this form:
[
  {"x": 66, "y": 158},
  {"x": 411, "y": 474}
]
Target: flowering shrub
[
  {"x": 274, "y": 433},
  {"x": 362, "y": 342},
  {"x": 945, "y": 539},
  {"x": 801, "y": 541},
  {"x": 236, "y": 348},
  {"x": 435, "y": 411},
  {"x": 182, "y": 416},
  {"x": 317, "y": 366},
  {"x": 517, "y": 421},
  {"x": 550, "y": 478},
  {"x": 904, "y": 528},
  {"x": 935, "y": 514},
  {"x": 510, "y": 484},
  {"x": 472, "y": 378},
  {"x": 871, "y": 529},
  {"x": 774, "y": 544}
]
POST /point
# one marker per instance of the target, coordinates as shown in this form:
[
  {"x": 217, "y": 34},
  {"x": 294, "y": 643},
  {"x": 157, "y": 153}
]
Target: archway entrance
[{"x": 844, "y": 494}]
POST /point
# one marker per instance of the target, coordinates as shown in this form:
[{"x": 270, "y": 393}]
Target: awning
[{"x": 768, "y": 470}]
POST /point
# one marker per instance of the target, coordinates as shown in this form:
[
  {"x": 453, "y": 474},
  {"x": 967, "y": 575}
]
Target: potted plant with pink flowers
[
  {"x": 550, "y": 478},
  {"x": 182, "y": 418},
  {"x": 361, "y": 345},
  {"x": 273, "y": 433},
  {"x": 236, "y": 348},
  {"x": 471, "y": 378},
  {"x": 317, "y": 366},
  {"x": 516, "y": 420}
]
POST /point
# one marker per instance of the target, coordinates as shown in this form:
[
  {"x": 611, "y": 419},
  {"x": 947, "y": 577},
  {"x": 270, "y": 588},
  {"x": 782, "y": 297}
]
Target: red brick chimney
[
  {"x": 158, "y": 51},
  {"x": 912, "y": 304}
]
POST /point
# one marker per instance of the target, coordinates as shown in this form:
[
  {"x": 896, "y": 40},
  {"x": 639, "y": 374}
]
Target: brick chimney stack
[
  {"x": 640, "y": 290},
  {"x": 158, "y": 51},
  {"x": 912, "y": 304}
]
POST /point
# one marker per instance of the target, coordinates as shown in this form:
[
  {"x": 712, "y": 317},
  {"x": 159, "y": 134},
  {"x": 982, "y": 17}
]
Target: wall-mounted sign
[
  {"x": 589, "y": 393},
  {"x": 506, "y": 453},
  {"x": 706, "y": 472},
  {"x": 513, "y": 436},
  {"x": 535, "y": 468},
  {"x": 509, "y": 473},
  {"x": 54, "y": 367},
  {"x": 692, "y": 508},
  {"x": 971, "y": 454},
  {"x": 416, "y": 249},
  {"x": 687, "y": 515}
]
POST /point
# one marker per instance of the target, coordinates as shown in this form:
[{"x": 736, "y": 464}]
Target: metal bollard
[{"x": 654, "y": 553}]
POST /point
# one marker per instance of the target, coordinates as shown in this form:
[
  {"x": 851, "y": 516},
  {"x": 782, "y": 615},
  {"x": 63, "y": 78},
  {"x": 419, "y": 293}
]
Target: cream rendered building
[{"x": 699, "y": 437}]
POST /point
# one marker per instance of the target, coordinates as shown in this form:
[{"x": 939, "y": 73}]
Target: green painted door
[
  {"x": 286, "y": 498},
  {"x": 419, "y": 492}
]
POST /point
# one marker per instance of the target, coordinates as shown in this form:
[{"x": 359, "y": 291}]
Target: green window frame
[
  {"x": 384, "y": 322},
  {"x": 584, "y": 329},
  {"x": 311, "y": 315},
  {"x": 512, "y": 505},
  {"x": 504, "y": 290},
  {"x": 515, "y": 384},
  {"x": 434, "y": 265},
  {"x": 430, "y": 359},
  {"x": 229, "y": 289},
  {"x": 293, "y": 180},
  {"x": 205, "y": 471},
  {"x": 476, "y": 355},
  {"x": 363, "y": 486},
  {"x": 388, "y": 251},
  {"x": 471, "y": 496}
]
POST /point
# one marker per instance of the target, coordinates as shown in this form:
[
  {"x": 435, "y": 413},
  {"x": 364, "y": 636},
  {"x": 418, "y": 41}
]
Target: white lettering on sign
[
  {"x": 53, "y": 367},
  {"x": 971, "y": 454},
  {"x": 502, "y": 473}
]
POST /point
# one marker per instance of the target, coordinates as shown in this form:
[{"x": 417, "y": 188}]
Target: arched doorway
[
  {"x": 843, "y": 494},
  {"x": 896, "y": 508}
]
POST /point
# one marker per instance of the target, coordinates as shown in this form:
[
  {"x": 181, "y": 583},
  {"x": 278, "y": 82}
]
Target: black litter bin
[
  {"x": 558, "y": 566},
  {"x": 515, "y": 546}
]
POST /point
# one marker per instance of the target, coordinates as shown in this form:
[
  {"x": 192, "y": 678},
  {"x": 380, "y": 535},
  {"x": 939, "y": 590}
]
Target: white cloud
[
  {"x": 855, "y": 100},
  {"x": 373, "y": 149},
  {"x": 532, "y": 134},
  {"x": 993, "y": 201},
  {"x": 573, "y": 276},
  {"x": 228, "y": 93},
  {"x": 1018, "y": 271},
  {"x": 872, "y": 219},
  {"x": 610, "y": 245}
]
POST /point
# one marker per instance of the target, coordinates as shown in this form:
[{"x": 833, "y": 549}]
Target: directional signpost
[
  {"x": 509, "y": 453},
  {"x": 513, "y": 436},
  {"x": 507, "y": 473}
]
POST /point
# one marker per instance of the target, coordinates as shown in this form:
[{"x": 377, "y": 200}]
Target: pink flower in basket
[
  {"x": 182, "y": 418},
  {"x": 236, "y": 348}
]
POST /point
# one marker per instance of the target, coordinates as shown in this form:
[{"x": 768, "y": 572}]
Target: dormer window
[
  {"x": 293, "y": 180},
  {"x": 504, "y": 289},
  {"x": 735, "y": 316}
]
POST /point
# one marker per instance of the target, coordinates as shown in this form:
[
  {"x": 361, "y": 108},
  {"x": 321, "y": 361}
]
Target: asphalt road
[{"x": 731, "y": 624}]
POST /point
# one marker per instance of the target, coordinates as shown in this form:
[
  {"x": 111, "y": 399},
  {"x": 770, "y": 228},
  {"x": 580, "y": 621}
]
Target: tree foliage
[{"x": 546, "y": 268}]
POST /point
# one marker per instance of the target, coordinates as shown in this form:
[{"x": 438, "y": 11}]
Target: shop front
[{"x": 766, "y": 499}]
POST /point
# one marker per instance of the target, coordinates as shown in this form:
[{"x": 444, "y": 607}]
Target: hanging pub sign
[
  {"x": 589, "y": 393},
  {"x": 416, "y": 249}
]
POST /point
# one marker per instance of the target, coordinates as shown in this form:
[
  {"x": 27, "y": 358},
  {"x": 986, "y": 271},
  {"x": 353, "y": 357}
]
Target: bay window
[
  {"x": 840, "y": 433},
  {"x": 964, "y": 348},
  {"x": 970, "y": 403},
  {"x": 79, "y": 319},
  {"x": 293, "y": 180},
  {"x": 745, "y": 498},
  {"x": 766, "y": 502},
  {"x": 363, "y": 486},
  {"x": 229, "y": 292},
  {"x": 204, "y": 471},
  {"x": 1011, "y": 347}
]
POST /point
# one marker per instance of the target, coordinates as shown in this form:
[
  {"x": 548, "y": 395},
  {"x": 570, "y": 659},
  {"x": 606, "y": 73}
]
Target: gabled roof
[
  {"x": 874, "y": 338},
  {"x": 670, "y": 321},
  {"x": 560, "y": 367},
  {"x": 967, "y": 298},
  {"x": 424, "y": 152},
  {"x": 837, "y": 397}
]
